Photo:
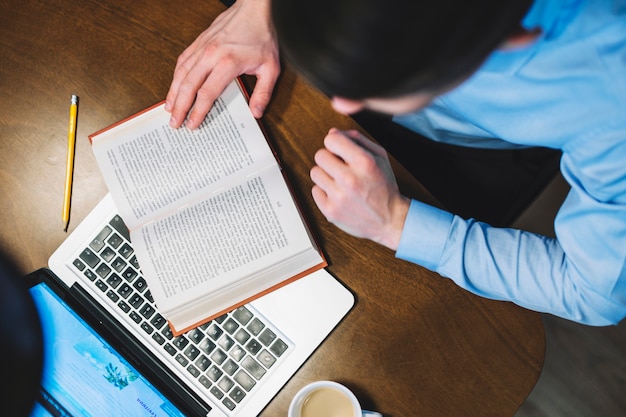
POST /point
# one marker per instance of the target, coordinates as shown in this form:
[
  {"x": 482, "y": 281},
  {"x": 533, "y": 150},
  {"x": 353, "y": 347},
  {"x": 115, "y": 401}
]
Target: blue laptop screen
[{"x": 83, "y": 375}]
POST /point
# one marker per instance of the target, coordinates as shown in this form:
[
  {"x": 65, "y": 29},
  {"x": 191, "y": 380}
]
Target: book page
[
  {"x": 151, "y": 168},
  {"x": 223, "y": 239}
]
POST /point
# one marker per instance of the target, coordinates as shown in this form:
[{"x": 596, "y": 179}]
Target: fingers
[
  {"x": 262, "y": 93},
  {"x": 177, "y": 102},
  {"x": 358, "y": 154},
  {"x": 337, "y": 139},
  {"x": 208, "y": 92},
  {"x": 196, "y": 89}
]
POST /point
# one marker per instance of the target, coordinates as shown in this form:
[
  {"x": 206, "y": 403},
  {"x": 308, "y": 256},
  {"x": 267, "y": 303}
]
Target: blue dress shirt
[{"x": 565, "y": 91}]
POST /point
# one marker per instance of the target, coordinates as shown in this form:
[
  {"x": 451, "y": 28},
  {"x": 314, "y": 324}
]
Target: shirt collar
[{"x": 552, "y": 16}]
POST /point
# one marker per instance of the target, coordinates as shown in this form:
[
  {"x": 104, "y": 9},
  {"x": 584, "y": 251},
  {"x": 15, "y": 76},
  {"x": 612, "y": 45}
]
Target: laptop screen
[{"x": 83, "y": 374}]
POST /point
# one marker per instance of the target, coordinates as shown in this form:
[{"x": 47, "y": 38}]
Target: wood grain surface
[{"x": 414, "y": 345}]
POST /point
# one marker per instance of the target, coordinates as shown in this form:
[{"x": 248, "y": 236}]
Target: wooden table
[{"x": 414, "y": 345}]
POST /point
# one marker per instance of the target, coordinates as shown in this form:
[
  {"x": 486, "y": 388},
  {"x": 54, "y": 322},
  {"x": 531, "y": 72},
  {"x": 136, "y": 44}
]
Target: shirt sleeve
[{"x": 530, "y": 270}]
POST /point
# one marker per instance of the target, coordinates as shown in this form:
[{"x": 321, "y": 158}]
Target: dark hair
[
  {"x": 21, "y": 348},
  {"x": 384, "y": 48}
]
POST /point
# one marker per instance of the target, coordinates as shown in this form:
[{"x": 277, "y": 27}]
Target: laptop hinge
[{"x": 138, "y": 354}]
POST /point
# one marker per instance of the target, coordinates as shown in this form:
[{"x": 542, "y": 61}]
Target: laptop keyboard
[{"x": 228, "y": 357}]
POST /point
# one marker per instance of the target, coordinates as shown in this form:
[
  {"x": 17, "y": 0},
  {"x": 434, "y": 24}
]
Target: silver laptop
[{"x": 232, "y": 366}]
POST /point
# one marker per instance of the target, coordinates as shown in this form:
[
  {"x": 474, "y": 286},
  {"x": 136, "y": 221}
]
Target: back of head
[
  {"x": 21, "y": 348},
  {"x": 372, "y": 48}
]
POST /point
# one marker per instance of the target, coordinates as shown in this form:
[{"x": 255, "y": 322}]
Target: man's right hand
[{"x": 241, "y": 40}]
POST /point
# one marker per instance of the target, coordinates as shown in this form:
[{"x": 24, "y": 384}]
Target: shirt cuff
[{"x": 424, "y": 235}]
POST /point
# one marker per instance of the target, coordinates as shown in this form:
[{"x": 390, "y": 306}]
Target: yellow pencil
[{"x": 69, "y": 167}]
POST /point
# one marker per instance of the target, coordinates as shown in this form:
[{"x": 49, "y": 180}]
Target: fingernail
[
  {"x": 168, "y": 106},
  {"x": 173, "y": 122}
]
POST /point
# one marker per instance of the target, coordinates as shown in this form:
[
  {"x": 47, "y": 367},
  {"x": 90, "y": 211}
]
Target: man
[{"x": 480, "y": 73}]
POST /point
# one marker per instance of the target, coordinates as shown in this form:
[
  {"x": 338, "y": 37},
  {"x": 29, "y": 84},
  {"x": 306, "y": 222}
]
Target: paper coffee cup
[{"x": 327, "y": 399}]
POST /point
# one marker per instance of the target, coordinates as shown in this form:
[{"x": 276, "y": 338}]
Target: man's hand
[
  {"x": 240, "y": 41},
  {"x": 355, "y": 188}
]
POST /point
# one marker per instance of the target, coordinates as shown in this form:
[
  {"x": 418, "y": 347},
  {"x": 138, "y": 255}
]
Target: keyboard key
[
  {"x": 229, "y": 403},
  {"x": 226, "y": 343},
  {"x": 98, "y": 242},
  {"x": 134, "y": 262},
  {"x": 230, "y": 326},
  {"x": 79, "y": 264},
  {"x": 118, "y": 264},
  {"x": 140, "y": 284},
  {"x": 237, "y": 394},
  {"x": 253, "y": 346},
  {"x": 242, "y": 315},
  {"x": 114, "y": 280},
  {"x": 135, "y": 300},
  {"x": 237, "y": 353},
  {"x": 129, "y": 274},
  {"x": 180, "y": 342},
  {"x": 205, "y": 381},
  {"x": 107, "y": 254},
  {"x": 193, "y": 371},
  {"x": 279, "y": 347},
  {"x": 225, "y": 384},
  {"x": 89, "y": 257},
  {"x": 203, "y": 363},
  {"x": 196, "y": 335},
  {"x": 91, "y": 276},
  {"x": 181, "y": 359},
  {"x": 214, "y": 331},
  {"x": 135, "y": 317},
  {"x": 230, "y": 367},
  {"x": 147, "y": 311},
  {"x": 167, "y": 332},
  {"x": 113, "y": 296},
  {"x": 158, "y": 338},
  {"x": 207, "y": 346},
  {"x": 214, "y": 373},
  {"x": 103, "y": 270},
  {"x": 170, "y": 349},
  {"x": 126, "y": 250},
  {"x": 192, "y": 352},
  {"x": 146, "y": 328},
  {"x": 244, "y": 380},
  {"x": 115, "y": 240},
  {"x": 256, "y": 326},
  {"x": 158, "y": 321},
  {"x": 267, "y": 337},
  {"x": 252, "y": 366},
  {"x": 266, "y": 358},
  {"x": 123, "y": 306},
  {"x": 118, "y": 224},
  {"x": 101, "y": 285},
  {"x": 242, "y": 336},
  {"x": 216, "y": 392},
  {"x": 218, "y": 356},
  {"x": 124, "y": 290}
]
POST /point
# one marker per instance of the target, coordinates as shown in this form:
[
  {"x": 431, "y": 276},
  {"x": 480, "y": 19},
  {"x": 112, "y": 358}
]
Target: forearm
[{"x": 505, "y": 264}]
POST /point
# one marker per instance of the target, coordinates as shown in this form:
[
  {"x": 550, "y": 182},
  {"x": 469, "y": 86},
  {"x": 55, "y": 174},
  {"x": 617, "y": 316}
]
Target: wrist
[{"x": 399, "y": 211}]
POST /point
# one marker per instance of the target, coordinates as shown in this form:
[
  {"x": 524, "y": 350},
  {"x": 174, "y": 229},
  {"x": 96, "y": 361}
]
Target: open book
[{"x": 211, "y": 217}]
